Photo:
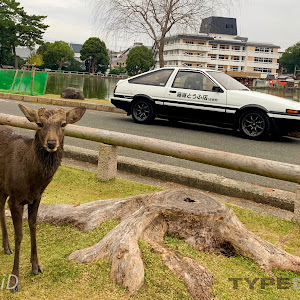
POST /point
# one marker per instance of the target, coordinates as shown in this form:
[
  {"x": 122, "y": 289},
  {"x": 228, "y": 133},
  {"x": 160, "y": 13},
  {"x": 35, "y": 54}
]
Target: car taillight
[{"x": 115, "y": 89}]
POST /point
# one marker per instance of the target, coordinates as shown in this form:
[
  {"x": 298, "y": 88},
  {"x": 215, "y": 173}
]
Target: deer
[{"x": 27, "y": 166}]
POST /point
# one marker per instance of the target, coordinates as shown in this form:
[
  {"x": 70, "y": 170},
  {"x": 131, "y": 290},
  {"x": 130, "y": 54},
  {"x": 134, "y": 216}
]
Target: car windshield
[{"x": 227, "y": 82}]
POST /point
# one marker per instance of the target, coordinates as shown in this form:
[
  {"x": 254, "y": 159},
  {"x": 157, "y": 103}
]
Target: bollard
[
  {"x": 107, "y": 162},
  {"x": 297, "y": 205}
]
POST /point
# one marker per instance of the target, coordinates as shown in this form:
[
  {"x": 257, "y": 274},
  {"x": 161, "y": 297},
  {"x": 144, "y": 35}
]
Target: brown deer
[{"x": 27, "y": 166}]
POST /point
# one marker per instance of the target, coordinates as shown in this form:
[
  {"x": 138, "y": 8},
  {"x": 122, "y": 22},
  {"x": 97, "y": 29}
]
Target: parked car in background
[{"x": 207, "y": 97}]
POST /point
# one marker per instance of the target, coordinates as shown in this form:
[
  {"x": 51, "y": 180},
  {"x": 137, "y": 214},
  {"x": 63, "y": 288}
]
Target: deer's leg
[
  {"x": 5, "y": 241},
  {"x": 17, "y": 217},
  {"x": 32, "y": 214}
]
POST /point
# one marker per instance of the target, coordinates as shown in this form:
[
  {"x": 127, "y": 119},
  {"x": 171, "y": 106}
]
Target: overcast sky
[{"x": 273, "y": 21}]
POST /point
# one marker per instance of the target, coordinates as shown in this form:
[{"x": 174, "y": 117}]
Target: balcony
[{"x": 187, "y": 47}]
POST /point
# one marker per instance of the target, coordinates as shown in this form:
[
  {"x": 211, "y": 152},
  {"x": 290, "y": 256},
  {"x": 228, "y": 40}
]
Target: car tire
[
  {"x": 142, "y": 111},
  {"x": 254, "y": 124}
]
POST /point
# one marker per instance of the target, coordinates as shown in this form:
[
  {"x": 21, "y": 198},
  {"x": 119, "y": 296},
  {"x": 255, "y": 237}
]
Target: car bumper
[
  {"x": 122, "y": 104},
  {"x": 287, "y": 125}
]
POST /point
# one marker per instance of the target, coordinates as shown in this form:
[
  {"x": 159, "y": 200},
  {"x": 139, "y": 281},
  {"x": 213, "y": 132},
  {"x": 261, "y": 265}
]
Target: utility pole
[{"x": 295, "y": 71}]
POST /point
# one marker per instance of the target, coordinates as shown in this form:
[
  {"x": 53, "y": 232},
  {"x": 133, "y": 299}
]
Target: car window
[
  {"x": 227, "y": 81},
  {"x": 193, "y": 81},
  {"x": 159, "y": 77}
]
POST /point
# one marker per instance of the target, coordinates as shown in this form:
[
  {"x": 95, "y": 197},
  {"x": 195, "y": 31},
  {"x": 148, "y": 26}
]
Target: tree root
[{"x": 199, "y": 220}]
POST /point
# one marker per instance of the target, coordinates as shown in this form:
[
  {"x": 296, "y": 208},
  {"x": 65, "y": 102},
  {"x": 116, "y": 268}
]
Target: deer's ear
[
  {"x": 30, "y": 113},
  {"x": 75, "y": 114}
]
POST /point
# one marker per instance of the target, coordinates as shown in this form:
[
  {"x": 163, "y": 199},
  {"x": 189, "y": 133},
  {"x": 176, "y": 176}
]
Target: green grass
[
  {"x": 19, "y": 92},
  {"x": 74, "y": 186},
  {"x": 93, "y": 100},
  {"x": 68, "y": 280}
]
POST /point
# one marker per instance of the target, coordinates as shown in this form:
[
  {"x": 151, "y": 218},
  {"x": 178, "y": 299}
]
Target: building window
[
  {"x": 187, "y": 65},
  {"x": 264, "y": 49},
  {"x": 236, "y": 58},
  {"x": 220, "y": 68},
  {"x": 214, "y": 46},
  {"x": 201, "y": 43},
  {"x": 235, "y": 68},
  {"x": 212, "y": 67},
  {"x": 263, "y": 70},
  {"x": 189, "y": 42},
  {"x": 224, "y": 47},
  {"x": 188, "y": 53},
  {"x": 237, "y": 48},
  {"x": 213, "y": 56},
  {"x": 263, "y": 60},
  {"x": 200, "y": 65}
]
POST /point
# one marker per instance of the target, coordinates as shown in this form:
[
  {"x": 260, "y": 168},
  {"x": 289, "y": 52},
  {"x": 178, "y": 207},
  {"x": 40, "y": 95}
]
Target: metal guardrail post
[{"x": 107, "y": 162}]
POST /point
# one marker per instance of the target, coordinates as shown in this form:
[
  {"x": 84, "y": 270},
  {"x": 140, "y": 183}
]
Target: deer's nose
[{"x": 51, "y": 145}]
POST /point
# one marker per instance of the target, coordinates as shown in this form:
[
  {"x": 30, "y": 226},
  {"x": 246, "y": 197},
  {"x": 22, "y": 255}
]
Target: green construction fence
[{"x": 21, "y": 81}]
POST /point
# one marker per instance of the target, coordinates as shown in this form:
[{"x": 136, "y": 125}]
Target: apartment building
[{"x": 218, "y": 47}]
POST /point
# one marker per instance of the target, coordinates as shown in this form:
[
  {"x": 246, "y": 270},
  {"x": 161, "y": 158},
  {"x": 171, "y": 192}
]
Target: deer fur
[{"x": 27, "y": 166}]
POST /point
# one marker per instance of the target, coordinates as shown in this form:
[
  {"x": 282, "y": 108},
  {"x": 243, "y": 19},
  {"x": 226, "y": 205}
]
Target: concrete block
[
  {"x": 44, "y": 100},
  {"x": 297, "y": 205},
  {"x": 107, "y": 162},
  {"x": 17, "y": 97},
  {"x": 5, "y": 96},
  {"x": 30, "y": 99}
]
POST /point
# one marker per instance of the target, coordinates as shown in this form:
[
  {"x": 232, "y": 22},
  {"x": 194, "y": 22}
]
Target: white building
[{"x": 218, "y": 47}]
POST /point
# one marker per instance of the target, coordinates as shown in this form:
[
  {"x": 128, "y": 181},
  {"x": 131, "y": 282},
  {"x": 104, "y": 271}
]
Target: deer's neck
[{"x": 49, "y": 162}]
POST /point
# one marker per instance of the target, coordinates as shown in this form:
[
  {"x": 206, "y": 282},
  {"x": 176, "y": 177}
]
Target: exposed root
[{"x": 199, "y": 220}]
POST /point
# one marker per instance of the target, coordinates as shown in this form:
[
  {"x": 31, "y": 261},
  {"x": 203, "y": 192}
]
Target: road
[{"x": 286, "y": 150}]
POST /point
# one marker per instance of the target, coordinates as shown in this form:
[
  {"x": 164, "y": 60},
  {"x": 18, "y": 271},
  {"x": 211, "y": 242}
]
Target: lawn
[{"x": 68, "y": 280}]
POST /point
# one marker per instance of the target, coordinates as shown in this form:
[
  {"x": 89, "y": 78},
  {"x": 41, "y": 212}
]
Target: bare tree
[{"x": 155, "y": 18}]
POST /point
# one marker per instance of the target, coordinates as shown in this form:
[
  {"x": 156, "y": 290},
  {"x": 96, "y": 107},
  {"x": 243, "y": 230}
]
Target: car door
[{"x": 193, "y": 95}]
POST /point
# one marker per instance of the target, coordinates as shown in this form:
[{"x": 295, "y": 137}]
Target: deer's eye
[
  {"x": 63, "y": 124},
  {"x": 40, "y": 125}
]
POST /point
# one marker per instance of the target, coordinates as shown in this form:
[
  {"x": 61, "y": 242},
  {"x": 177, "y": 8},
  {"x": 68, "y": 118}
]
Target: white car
[{"x": 207, "y": 97}]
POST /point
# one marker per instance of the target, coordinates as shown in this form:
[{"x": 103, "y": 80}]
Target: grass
[
  {"x": 67, "y": 280},
  {"x": 93, "y": 100},
  {"x": 19, "y": 92}
]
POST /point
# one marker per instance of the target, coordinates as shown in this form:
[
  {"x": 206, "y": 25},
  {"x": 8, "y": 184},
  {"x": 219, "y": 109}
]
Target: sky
[{"x": 271, "y": 21}]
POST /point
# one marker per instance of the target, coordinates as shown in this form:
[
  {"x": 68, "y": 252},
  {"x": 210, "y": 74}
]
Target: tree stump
[{"x": 199, "y": 220}]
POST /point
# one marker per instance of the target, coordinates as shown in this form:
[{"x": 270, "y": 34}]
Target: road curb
[
  {"x": 191, "y": 178},
  {"x": 61, "y": 102}
]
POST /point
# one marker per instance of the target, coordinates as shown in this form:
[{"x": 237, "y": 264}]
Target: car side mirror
[{"x": 217, "y": 89}]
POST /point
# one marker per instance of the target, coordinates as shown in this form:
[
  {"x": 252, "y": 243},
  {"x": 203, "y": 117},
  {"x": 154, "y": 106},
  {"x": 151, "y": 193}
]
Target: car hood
[{"x": 270, "y": 102}]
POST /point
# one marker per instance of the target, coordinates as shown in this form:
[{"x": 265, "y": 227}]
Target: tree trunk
[
  {"x": 161, "y": 52},
  {"x": 15, "y": 57},
  {"x": 199, "y": 220}
]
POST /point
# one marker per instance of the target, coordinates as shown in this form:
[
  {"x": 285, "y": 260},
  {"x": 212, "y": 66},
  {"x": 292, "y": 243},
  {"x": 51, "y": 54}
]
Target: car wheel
[
  {"x": 142, "y": 111},
  {"x": 254, "y": 124}
]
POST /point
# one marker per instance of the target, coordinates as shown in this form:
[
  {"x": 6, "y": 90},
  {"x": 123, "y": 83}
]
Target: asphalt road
[{"x": 284, "y": 150}]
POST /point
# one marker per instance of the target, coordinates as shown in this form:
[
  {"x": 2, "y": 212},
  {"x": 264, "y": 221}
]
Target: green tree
[
  {"x": 17, "y": 28},
  {"x": 95, "y": 54},
  {"x": 291, "y": 58},
  {"x": 36, "y": 59},
  {"x": 56, "y": 55},
  {"x": 140, "y": 59},
  {"x": 74, "y": 65}
]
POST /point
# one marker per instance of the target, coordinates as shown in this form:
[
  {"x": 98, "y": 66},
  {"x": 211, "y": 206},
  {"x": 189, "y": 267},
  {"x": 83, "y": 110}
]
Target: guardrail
[{"x": 258, "y": 166}]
